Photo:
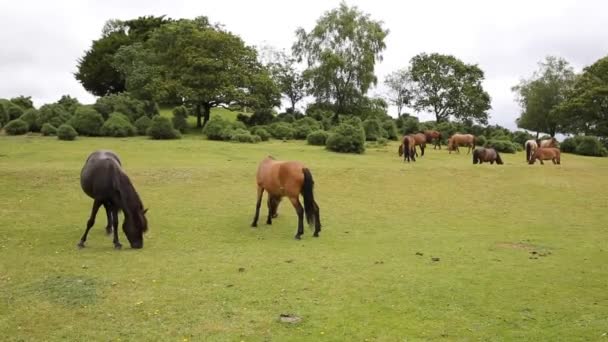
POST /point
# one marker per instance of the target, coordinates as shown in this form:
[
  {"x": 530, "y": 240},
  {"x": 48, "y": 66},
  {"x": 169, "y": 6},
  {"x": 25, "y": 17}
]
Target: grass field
[{"x": 522, "y": 250}]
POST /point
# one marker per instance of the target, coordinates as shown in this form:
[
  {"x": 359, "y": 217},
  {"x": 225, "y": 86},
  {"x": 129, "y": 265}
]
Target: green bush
[
  {"x": 25, "y": 102},
  {"x": 162, "y": 128},
  {"x": 281, "y": 130},
  {"x": 215, "y": 128},
  {"x": 142, "y": 124},
  {"x": 66, "y": 132},
  {"x": 520, "y": 137},
  {"x": 16, "y": 127},
  {"x": 569, "y": 144},
  {"x": 87, "y": 121},
  {"x": 504, "y": 146},
  {"x": 381, "y": 141},
  {"x": 390, "y": 128},
  {"x": 346, "y": 138},
  {"x": 126, "y": 104},
  {"x": 118, "y": 125},
  {"x": 53, "y": 114},
  {"x": 590, "y": 146},
  {"x": 408, "y": 125},
  {"x": 48, "y": 129},
  {"x": 13, "y": 110},
  {"x": 243, "y": 136},
  {"x": 317, "y": 138},
  {"x": 261, "y": 132},
  {"x": 373, "y": 130},
  {"x": 4, "y": 117},
  {"x": 180, "y": 118},
  {"x": 31, "y": 116},
  {"x": 480, "y": 140},
  {"x": 303, "y": 127}
]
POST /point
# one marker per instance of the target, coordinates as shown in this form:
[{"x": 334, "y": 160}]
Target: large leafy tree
[
  {"x": 287, "y": 77},
  {"x": 341, "y": 52},
  {"x": 202, "y": 65},
  {"x": 585, "y": 109},
  {"x": 448, "y": 87},
  {"x": 400, "y": 89},
  {"x": 541, "y": 95},
  {"x": 96, "y": 71}
]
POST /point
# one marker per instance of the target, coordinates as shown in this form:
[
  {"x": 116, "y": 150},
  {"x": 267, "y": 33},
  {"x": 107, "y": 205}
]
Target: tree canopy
[{"x": 400, "y": 89}]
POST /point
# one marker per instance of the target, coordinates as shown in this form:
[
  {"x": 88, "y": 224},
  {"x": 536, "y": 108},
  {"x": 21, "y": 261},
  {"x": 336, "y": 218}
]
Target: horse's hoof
[
  {"x": 315, "y": 235},
  {"x": 269, "y": 223},
  {"x": 117, "y": 246},
  {"x": 298, "y": 237},
  {"x": 80, "y": 245},
  {"x": 108, "y": 230},
  {"x": 253, "y": 225}
]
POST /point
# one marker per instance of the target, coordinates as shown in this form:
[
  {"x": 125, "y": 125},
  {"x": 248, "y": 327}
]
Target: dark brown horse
[
  {"x": 407, "y": 148},
  {"x": 103, "y": 179},
  {"x": 546, "y": 153},
  {"x": 490, "y": 155},
  {"x": 433, "y": 137},
  {"x": 419, "y": 140},
  {"x": 461, "y": 140},
  {"x": 287, "y": 178}
]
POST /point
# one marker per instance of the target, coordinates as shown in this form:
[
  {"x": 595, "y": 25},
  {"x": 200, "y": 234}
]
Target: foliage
[
  {"x": 480, "y": 140},
  {"x": 66, "y": 132},
  {"x": 390, "y": 128},
  {"x": 215, "y": 127},
  {"x": 346, "y": 138},
  {"x": 341, "y": 52},
  {"x": 123, "y": 103},
  {"x": 54, "y": 114},
  {"x": 317, "y": 138},
  {"x": 505, "y": 146},
  {"x": 261, "y": 116},
  {"x": 288, "y": 79},
  {"x": 24, "y": 102},
  {"x": 87, "y": 121},
  {"x": 16, "y": 127},
  {"x": 540, "y": 96},
  {"x": 261, "y": 131},
  {"x": 118, "y": 125},
  {"x": 281, "y": 130},
  {"x": 10, "y": 110},
  {"x": 373, "y": 130},
  {"x": 447, "y": 87},
  {"x": 583, "y": 145},
  {"x": 32, "y": 117},
  {"x": 48, "y": 129},
  {"x": 400, "y": 89},
  {"x": 244, "y": 136},
  {"x": 162, "y": 129},
  {"x": 4, "y": 117},
  {"x": 520, "y": 137},
  {"x": 303, "y": 127},
  {"x": 142, "y": 124},
  {"x": 180, "y": 118},
  {"x": 69, "y": 103},
  {"x": 408, "y": 124}
]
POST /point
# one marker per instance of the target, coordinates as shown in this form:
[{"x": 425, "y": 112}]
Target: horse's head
[
  {"x": 498, "y": 159},
  {"x": 135, "y": 226}
]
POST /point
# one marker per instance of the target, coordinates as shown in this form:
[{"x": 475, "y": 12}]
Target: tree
[
  {"x": 289, "y": 80},
  {"x": 540, "y": 96},
  {"x": 341, "y": 52},
  {"x": 95, "y": 71},
  {"x": 447, "y": 87},
  {"x": 23, "y": 102},
  {"x": 585, "y": 109},
  {"x": 201, "y": 64},
  {"x": 400, "y": 89}
]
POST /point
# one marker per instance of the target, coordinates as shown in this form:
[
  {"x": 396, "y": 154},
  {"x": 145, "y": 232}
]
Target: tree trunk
[
  {"x": 206, "y": 113},
  {"x": 198, "y": 116}
]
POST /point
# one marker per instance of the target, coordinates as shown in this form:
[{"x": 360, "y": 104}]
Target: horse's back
[
  {"x": 281, "y": 177},
  {"x": 98, "y": 174}
]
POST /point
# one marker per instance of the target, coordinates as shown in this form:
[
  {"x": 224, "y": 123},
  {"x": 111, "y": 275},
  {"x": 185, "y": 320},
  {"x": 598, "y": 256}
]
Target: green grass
[{"x": 522, "y": 250}]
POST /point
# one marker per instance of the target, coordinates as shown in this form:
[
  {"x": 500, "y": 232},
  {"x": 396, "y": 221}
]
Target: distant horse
[
  {"x": 546, "y": 153},
  {"x": 287, "y": 178},
  {"x": 461, "y": 140},
  {"x": 407, "y": 149},
  {"x": 419, "y": 140},
  {"x": 103, "y": 179},
  {"x": 490, "y": 155},
  {"x": 433, "y": 137},
  {"x": 530, "y": 146},
  {"x": 548, "y": 143}
]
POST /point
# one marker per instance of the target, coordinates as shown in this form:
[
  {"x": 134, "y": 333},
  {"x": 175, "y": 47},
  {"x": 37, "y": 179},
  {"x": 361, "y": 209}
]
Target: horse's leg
[
  {"x": 257, "y": 206},
  {"x": 90, "y": 222},
  {"x": 300, "y": 211},
  {"x": 553, "y": 160},
  {"x": 317, "y": 221},
  {"x": 541, "y": 162},
  {"x": 108, "y": 209},
  {"x": 271, "y": 209},
  {"x": 422, "y": 147},
  {"x": 117, "y": 244}
]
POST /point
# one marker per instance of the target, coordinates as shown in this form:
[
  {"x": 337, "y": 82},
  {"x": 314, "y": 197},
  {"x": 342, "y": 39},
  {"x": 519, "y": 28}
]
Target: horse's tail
[
  {"x": 309, "y": 198},
  {"x": 528, "y": 151},
  {"x": 475, "y": 156},
  {"x": 498, "y": 159}
]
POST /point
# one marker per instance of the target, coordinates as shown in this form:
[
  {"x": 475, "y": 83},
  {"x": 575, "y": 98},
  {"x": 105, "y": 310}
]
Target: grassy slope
[{"x": 360, "y": 280}]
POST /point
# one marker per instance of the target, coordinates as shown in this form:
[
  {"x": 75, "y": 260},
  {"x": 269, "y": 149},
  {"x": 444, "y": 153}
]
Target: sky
[{"x": 41, "y": 41}]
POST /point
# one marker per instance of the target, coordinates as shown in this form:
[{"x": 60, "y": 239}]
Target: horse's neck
[{"x": 129, "y": 198}]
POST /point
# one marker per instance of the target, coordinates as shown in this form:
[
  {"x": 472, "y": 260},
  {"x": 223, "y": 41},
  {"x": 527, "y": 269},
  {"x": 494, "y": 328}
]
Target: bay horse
[
  {"x": 548, "y": 143},
  {"x": 103, "y": 179},
  {"x": 433, "y": 137},
  {"x": 490, "y": 155},
  {"x": 530, "y": 146},
  {"x": 461, "y": 140},
  {"x": 419, "y": 140},
  {"x": 287, "y": 178},
  {"x": 546, "y": 153},
  {"x": 407, "y": 148}
]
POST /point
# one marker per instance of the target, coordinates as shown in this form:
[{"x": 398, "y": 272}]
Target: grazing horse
[
  {"x": 530, "y": 146},
  {"x": 103, "y": 179},
  {"x": 461, "y": 140},
  {"x": 433, "y": 136},
  {"x": 490, "y": 155},
  {"x": 419, "y": 140},
  {"x": 407, "y": 149},
  {"x": 548, "y": 143},
  {"x": 546, "y": 153},
  {"x": 287, "y": 178}
]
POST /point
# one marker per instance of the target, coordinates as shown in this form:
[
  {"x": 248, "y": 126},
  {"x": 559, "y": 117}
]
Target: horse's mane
[{"x": 131, "y": 202}]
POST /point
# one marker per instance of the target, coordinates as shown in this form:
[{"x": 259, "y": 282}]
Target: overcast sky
[{"x": 40, "y": 41}]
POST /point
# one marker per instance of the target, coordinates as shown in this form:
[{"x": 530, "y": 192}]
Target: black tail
[
  {"x": 309, "y": 198},
  {"x": 528, "y": 151}
]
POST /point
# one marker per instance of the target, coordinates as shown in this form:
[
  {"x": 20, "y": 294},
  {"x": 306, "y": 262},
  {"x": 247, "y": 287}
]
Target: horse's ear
[{"x": 145, "y": 211}]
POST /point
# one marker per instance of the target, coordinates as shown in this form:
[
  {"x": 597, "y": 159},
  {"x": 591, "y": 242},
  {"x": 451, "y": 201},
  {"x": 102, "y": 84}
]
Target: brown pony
[
  {"x": 490, "y": 155},
  {"x": 548, "y": 143},
  {"x": 419, "y": 140},
  {"x": 407, "y": 149},
  {"x": 287, "y": 178},
  {"x": 546, "y": 153},
  {"x": 433, "y": 136},
  {"x": 461, "y": 140}
]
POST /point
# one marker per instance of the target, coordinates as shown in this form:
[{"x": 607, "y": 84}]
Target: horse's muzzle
[{"x": 137, "y": 245}]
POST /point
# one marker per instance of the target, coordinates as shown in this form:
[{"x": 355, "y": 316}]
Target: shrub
[
  {"x": 215, "y": 127},
  {"x": 590, "y": 146},
  {"x": 48, "y": 129},
  {"x": 346, "y": 139},
  {"x": 505, "y": 146},
  {"x": 238, "y": 125},
  {"x": 373, "y": 130},
  {"x": 4, "y": 117},
  {"x": 161, "y": 128},
  {"x": 408, "y": 124},
  {"x": 381, "y": 141},
  {"x": 118, "y": 125},
  {"x": 53, "y": 114},
  {"x": 180, "y": 118},
  {"x": 124, "y": 103},
  {"x": 286, "y": 117},
  {"x": 66, "y": 132},
  {"x": 303, "y": 127},
  {"x": 142, "y": 124},
  {"x": 520, "y": 137},
  {"x": 25, "y": 102},
  {"x": 87, "y": 121},
  {"x": 481, "y": 140},
  {"x": 281, "y": 130},
  {"x": 261, "y": 132},
  {"x": 70, "y": 104},
  {"x": 317, "y": 138},
  {"x": 261, "y": 117},
  {"x": 569, "y": 144},
  {"x": 13, "y": 111},
  {"x": 16, "y": 127},
  {"x": 390, "y": 128},
  {"x": 241, "y": 135},
  {"x": 31, "y": 116}
]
